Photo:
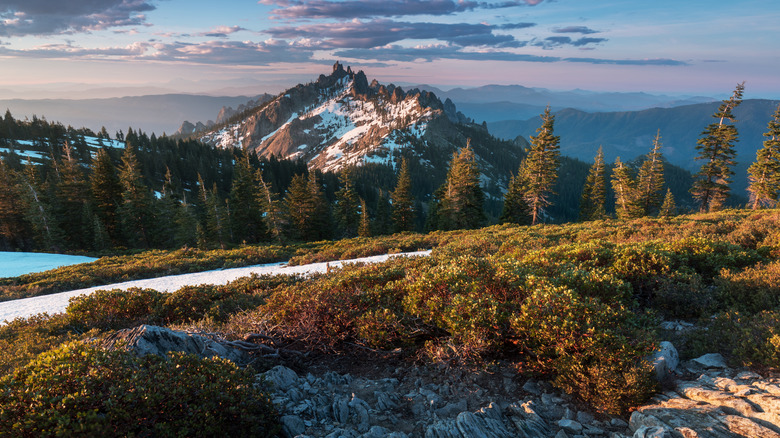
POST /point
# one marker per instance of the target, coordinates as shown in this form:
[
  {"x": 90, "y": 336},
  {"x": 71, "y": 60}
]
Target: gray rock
[
  {"x": 292, "y": 426},
  {"x": 341, "y": 409},
  {"x": 442, "y": 429},
  {"x": 532, "y": 387},
  {"x": 570, "y": 426},
  {"x": 150, "y": 339},
  {"x": 664, "y": 360},
  {"x": 281, "y": 377},
  {"x": 452, "y": 409},
  {"x": 651, "y": 432},
  {"x": 711, "y": 360},
  {"x": 585, "y": 417},
  {"x": 358, "y": 411},
  {"x": 561, "y": 434}
]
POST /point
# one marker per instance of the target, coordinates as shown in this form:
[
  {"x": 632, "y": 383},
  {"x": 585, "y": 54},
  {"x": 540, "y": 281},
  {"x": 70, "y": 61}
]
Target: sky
[{"x": 232, "y": 47}]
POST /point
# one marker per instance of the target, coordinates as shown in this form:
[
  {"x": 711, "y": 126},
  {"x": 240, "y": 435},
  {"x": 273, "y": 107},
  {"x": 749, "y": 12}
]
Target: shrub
[
  {"x": 593, "y": 350},
  {"x": 744, "y": 339},
  {"x": 752, "y": 289},
  {"x": 80, "y": 389},
  {"x": 114, "y": 309}
]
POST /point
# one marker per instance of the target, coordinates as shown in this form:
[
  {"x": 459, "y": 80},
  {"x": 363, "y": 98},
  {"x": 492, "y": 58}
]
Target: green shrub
[
  {"x": 744, "y": 339},
  {"x": 753, "y": 289},
  {"x": 593, "y": 350},
  {"x": 80, "y": 389},
  {"x": 115, "y": 309}
]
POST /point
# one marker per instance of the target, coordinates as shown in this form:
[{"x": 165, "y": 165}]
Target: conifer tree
[
  {"x": 716, "y": 149},
  {"x": 650, "y": 180},
  {"x": 624, "y": 187},
  {"x": 135, "y": 210},
  {"x": 541, "y": 167},
  {"x": 764, "y": 174},
  {"x": 347, "y": 204},
  {"x": 322, "y": 221},
  {"x": 403, "y": 203},
  {"x": 301, "y": 209},
  {"x": 274, "y": 217},
  {"x": 13, "y": 228},
  {"x": 460, "y": 199},
  {"x": 515, "y": 209},
  {"x": 364, "y": 230},
  {"x": 383, "y": 223},
  {"x": 106, "y": 194},
  {"x": 71, "y": 198},
  {"x": 38, "y": 211},
  {"x": 668, "y": 208},
  {"x": 594, "y": 193},
  {"x": 247, "y": 212}
]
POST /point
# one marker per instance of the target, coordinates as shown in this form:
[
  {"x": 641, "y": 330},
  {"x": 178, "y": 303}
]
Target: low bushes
[{"x": 80, "y": 389}]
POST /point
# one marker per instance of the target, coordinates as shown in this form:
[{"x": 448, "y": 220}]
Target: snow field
[{"x": 57, "y": 303}]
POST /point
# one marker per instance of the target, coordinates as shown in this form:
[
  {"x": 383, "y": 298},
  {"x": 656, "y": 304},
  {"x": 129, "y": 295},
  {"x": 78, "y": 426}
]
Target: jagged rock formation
[
  {"x": 342, "y": 119},
  {"x": 225, "y": 114}
]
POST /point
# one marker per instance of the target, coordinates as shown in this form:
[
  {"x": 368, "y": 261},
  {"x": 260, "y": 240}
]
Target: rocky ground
[{"x": 386, "y": 397}]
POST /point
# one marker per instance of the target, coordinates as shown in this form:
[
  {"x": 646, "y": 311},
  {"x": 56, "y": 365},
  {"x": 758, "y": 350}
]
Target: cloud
[
  {"x": 434, "y": 52},
  {"x": 381, "y": 8},
  {"x": 558, "y": 41},
  {"x": 575, "y": 29},
  {"x": 381, "y": 32},
  {"x": 244, "y": 53},
  {"x": 441, "y": 51},
  {"x": 221, "y": 31},
  {"x": 659, "y": 61},
  {"x": 57, "y": 17}
]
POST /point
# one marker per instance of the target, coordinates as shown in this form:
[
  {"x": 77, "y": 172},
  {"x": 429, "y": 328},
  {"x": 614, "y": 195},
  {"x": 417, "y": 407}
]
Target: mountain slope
[
  {"x": 629, "y": 134},
  {"x": 341, "y": 120}
]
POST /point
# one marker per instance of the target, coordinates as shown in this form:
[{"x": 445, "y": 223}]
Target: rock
[
  {"x": 532, "y": 387},
  {"x": 561, "y": 434},
  {"x": 341, "y": 410},
  {"x": 452, "y": 409},
  {"x": 711, "y": 360},
  {"x": 358, "y": 411},
  {"x": 292, "y": 425},
  {"x": 664, "y": 360},
  {"x": 150, "y": 339},
  {"x": 570, "y": 426},
  {"x": 651, "y": 432},
  {"x": 585, "y": 417},
  {"x": 281, "y": 377},
  {"x": 746, "y": 427}
]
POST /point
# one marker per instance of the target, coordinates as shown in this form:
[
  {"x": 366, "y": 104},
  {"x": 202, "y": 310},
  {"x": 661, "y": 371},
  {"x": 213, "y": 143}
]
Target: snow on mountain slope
[{"x": 336, "y": 121}]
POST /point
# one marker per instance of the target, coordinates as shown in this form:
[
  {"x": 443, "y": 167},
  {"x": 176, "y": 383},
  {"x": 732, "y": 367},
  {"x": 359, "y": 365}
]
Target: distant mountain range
[
  {"x": 159, "y": 114},
  {"x": 494, "y": 103},
  {"x": 629, "y": 134}
]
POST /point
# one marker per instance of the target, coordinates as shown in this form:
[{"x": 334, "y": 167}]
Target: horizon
[{"x": 140, "y": 47}]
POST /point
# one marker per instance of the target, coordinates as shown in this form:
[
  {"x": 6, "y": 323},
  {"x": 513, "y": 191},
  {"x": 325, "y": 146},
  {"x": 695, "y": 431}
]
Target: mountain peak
[{"x": 338, "y": 120}]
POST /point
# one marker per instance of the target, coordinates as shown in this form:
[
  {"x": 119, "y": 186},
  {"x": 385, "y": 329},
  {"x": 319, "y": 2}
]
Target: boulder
[
  {"x": 664, "y": 360},
  {"x": 150, "y": 339}
]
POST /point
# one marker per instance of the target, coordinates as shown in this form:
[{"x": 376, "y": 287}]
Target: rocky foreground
[{"x": 706, "y": 399}]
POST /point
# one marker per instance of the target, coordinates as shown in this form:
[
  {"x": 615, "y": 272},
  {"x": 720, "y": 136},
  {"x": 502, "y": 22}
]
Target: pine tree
[
  {"x": 668, "y": 208},
  {"x": 364, "y": 230},
  {"x": 347, "y": 204},
  {"x": 301, "y": 209},
  {"x": 624, "y": 187},
  {"x": 541, "y": 167},
  {"x": 383, "y": 223},
  {"x": 402, "y": 201},
  {"x": 38, "y": 211},
  {"x": 275, "y": 221},
  {"x": 247, "y": 212},
  {"x": 13, "y": 229},
  {"x": 764, "y": 174},
  {"x": 71, "y": 197},
  {"x": 594, "y": 193},
  {"x": 106, "y": 194},
  {"x": 135, "y": 210},
  {"x": 716, "y": 148},
  {"x": 515, "y": 209},
  {"x": 322, "y": 221},
  {"x": 460, "y": 199},
  {"x": 650, "y": 180}
]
